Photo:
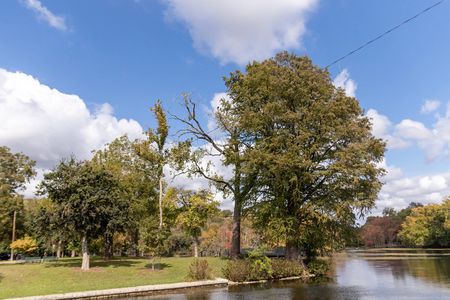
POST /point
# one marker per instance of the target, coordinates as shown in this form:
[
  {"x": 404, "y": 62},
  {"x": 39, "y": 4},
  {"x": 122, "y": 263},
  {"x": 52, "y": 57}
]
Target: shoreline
[
  {"x": 150, "y": 289},
  {"x": 129, "y": 291}
]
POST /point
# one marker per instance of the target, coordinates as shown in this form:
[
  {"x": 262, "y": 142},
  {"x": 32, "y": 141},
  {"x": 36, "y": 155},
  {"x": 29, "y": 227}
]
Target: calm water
[{"x": 392, "y": 274}]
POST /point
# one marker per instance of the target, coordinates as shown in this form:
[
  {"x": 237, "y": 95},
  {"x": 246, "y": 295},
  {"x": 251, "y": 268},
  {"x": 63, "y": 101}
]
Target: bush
[
  {"x": 318, "y": 267},
  {"x": 260, "y": 264},
  {"x": 237, "y": 270},
  {"x": 287, "y": 268},
  {"x": 199, "y": 270},
  {"x": 247, "y": 270},
  {"x": 25, "y": 245}
]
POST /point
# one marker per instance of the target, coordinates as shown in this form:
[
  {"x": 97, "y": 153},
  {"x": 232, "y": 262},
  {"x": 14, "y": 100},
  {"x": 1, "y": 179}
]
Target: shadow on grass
[
  {"x": 157, "y": 266},
  {"x": 1, "y": 277},
  {"x": 96, "y": 262}
]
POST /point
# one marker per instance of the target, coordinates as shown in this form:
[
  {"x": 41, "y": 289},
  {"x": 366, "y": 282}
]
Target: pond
[{"x": 357, "y": 274}]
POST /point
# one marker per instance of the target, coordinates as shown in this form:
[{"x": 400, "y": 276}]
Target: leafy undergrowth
[
  {"x": 199, "y": 270},
  {"x": 266, "y": 269},
  {"x": 318, "y": 267}
]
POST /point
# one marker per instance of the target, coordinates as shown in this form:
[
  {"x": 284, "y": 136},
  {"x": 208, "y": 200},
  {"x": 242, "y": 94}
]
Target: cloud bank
[
  {"x": 48, "y": 125},
  {"x": 242, "y": 31},
  {"x": 433, "y": 140}
]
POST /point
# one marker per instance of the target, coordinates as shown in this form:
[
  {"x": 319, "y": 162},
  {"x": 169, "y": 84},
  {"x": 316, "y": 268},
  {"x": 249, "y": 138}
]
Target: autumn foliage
[{"x": 25, "y": 245}]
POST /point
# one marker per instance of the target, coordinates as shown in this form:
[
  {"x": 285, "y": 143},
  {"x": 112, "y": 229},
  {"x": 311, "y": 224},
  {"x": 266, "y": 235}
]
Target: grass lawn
[{"x": 65, "y": 275}]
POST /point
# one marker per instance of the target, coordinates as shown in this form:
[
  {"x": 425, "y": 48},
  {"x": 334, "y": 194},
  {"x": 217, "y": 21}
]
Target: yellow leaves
[
  {"x": 163, "y": 129},
  {"x": 427, "y": 226},
  {"x": 27, "y": 244},
  {"x": 196, "y": 211}
]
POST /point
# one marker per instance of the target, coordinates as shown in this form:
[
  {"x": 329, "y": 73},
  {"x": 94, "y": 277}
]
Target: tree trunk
[
  {"x": 73, "y": 254},
  {"x": 108, "y": 246},
  {"x": 160, "y": 202},
  {"x": 292, "y": 250},
  {"x": 133, "y": 251},
  {"x": 85, "y": 251},
  {"x": 58, "y": 249},
  {"x": 236, "y": 233},
  {"x": 13, "y": 238},
  {"x": 195, "y": 247}
]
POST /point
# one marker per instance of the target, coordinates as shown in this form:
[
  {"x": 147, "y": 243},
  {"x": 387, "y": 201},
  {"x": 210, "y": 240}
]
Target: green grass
[{"x": 65, "y": 275}]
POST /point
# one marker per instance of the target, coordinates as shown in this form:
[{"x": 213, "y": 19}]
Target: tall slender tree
[
  {"x": 230, "y": 146},
  {"x": 153, "y": 150}
]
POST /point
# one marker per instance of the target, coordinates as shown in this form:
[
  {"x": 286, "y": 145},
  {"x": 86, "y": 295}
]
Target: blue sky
[{"x": 128, "y": 53}]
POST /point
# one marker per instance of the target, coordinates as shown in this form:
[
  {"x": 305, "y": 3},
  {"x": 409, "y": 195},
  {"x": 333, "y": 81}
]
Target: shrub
[
  {"x": 282, "y": 268},
  {"x": 237, "y": 270},
  {"x": 199, "y": 270},
  {"x": 25, "y": 245},
  {"x": 260, "y": 264},
  {"x": 247, "y": 270},
  {"x": 318, "y": 267}
]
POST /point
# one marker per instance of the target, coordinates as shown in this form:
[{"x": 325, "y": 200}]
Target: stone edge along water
[{"x": 142, "y": 290}]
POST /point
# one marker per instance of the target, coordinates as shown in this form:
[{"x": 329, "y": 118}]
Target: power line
[{"x": 385, "y": 33}]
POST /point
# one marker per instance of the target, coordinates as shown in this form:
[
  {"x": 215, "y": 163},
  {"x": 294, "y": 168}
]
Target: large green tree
[
  {"x": 317, "y": 158},
  {"x": 88, "y": 198}
]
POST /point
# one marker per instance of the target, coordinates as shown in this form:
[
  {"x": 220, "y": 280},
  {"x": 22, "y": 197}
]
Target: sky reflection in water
[{"x": 361, "y": 275}]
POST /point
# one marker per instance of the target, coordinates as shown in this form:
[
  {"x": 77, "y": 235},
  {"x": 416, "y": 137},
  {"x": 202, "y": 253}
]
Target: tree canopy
[
  {"x": 16, "y": 169},
  {"x": 427, "y": 226},
  {"x": 196, "y": 209},
  {"x": 313, "y": 146},
  {"x": 89, "y": 200}
]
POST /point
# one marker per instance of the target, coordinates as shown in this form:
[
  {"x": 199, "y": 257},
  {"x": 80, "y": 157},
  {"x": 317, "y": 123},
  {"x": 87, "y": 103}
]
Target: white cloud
[
  {"x": 217, "y": 100},
  {"x": 380, "y": 123},
  {"x": 382, "y": 128},
  {"x": 430, "y": 106},
  {"x": 344, "y": 81},
  {"x": 426, "y": 189},
  {"x": 48, "y": 125},
  {"x": 215, "y": 103},
  {"x": 410, "y": 129},
  {"x": 241, "y": 31},
  {"x": 45, "y": 14},
  {"x": 392, "y": 172},
  {"x": 434, "y": 141}
]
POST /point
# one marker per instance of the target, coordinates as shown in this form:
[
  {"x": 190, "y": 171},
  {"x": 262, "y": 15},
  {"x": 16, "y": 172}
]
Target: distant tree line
[{"x": 415, "y": 226}]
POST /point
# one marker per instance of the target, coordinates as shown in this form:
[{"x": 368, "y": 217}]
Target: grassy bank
[{"x": 65, "y": 275}]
